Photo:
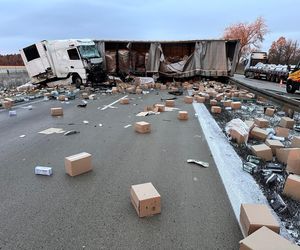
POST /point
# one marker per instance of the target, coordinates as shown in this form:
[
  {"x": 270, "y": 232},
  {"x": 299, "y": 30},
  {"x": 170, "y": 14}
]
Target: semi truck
[{"x": 91, "y": 61}]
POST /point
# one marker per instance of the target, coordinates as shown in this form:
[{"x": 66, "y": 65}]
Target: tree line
[{"x": 11, "y": 60}]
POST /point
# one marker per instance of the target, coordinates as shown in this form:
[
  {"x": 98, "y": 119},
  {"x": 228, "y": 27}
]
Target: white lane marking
[{"x": 109, "y": 105}]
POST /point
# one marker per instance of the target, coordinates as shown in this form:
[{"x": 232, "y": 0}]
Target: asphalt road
[{"x": 93, "y": 210}]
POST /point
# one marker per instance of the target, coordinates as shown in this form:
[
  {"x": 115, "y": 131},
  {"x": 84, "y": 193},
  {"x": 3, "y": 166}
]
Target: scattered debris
[
  {"x": 100, "y": 125},
  {"x": 22, "y": 136},
  {"x": 71, "y": 132},
  {"x": 127, "y": 126},
  {"x": 249, "y": 167},
  {"x": 41, "y": 170},
  {"x": 85, "y": 122},
  {"x": 12, "y": 113},
  {"x": 200, "y": 163},
  {"x": 50, "y": 131}
]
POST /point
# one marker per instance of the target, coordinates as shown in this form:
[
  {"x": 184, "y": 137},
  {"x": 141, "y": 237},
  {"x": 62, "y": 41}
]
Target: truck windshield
[{"x": 88, "y": 51}]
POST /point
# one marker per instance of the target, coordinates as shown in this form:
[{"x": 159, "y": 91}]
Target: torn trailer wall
[{"x": 175, "y": 59}]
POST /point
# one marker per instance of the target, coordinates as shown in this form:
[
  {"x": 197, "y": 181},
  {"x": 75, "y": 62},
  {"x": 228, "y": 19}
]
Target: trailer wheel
[
  {"x": 290, "y": 87},
  {"x": 77, "y": 81}
]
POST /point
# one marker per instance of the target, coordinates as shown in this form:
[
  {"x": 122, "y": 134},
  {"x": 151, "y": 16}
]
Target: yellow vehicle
[{"x": 293, "y": 81}]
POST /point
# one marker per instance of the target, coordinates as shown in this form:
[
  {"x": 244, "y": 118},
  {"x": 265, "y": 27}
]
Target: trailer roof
[{"x": 164, "y": 41}]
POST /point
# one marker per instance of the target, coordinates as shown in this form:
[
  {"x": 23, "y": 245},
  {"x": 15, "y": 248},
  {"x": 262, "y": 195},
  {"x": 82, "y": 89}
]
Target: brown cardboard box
[
  {"x": 227, "y": 103},
  {"x": 216, "y": 109},
  {"x": 250, "y": 124},
  {"x": 145, "y": 199},
  {"x": 266, "y": 239},
  {"x": 163, "y": 87},
  {"x": 295, "y": 142},
  {"x": 85, "y": 95},
  {"x": 47, "y": 94},
  {"x": 200, "y": 99},
  {"x": 124, "y": 101},
  {"x": 142, "y": 127},
  {"x": 157, "y": 85},
  {"x": 283, "y": 153},
  {"x": 238, "y": 137},
  {"x": 114, "y": 90},
  {"x": 263, "y": 151},
  {"x": 269, "y": 111},
  {"x": 7, "y": 104},
  {"x": 287, "y": 122},
  {"x": 161, "y": 107},
  {"x": 236, "y": 105},
  {"x": 213, "y": 102},
  {"x": 138, "y": 91},
  {"x": 293, "y": 162},
  {"x": 259, "y": 133},
  {"x": 274, "y": 144},
  {"x": 255, "y": 216},
  {"x": 188, "y": 99},
  {"x": 78, "y": 164},
  {"x": 56, "y": 111},
  {"x": 292, "y": 187},
  {"x": 61, "y": 98},
  {"x": 183, "y": 115},
  {"x": 282, "y": 132},
  {"x": 219, "y": 97},
  {"x": 170, "y": 103},
  {"x": 261, "y": 122}
]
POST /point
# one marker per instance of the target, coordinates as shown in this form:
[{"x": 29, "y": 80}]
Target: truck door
[{"x": 75, "y": 63}]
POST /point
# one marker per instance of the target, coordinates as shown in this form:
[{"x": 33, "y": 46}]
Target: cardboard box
[
  {"x": 161, "y": 107},
  {"x": 283, "y": 153},
  {"x": 47, "y": 94},
  {"x": 188, "y": 99},
  {"x": 114, "y": 90},
  {"x": 250, "y": 124},
  {"x": 236, "y": 105},
  {"x": 261, "y": 122},
  {"x": 293, "y": 162},
  {"x": 170, "y": 103},
  {"x": 287, "y": 122},
  {"x": 269, "y": 111},
  {"x": 142, "y": 127},
  {"x": 282, "y": 132},
  {"x": 274, "y": 144},
  {"x": 157, "y": 85},
  {"x": 200, "y": 99},
  {"x": 219, "y": 97},
  {"x": 61, "y": 98},
  {"x": 216, "y": 109},
  {"x": 85, "y": 95},
  {"x": 138, "y": 91},
  {"x": 255, "y": 216},
  {"x": 227, "y": 103},
  {"x": 145, "y": 199},
  {"x": 295, "y": 142},
  {"x": 124, "y": 101},
  {"x": 259, "y": 133},
  {"x": 266, "y": 239},
  {"x": 292, "y": 187},
  {"x": 213, "y": 102},
  {"x": 263, "y": 151},
  {"x": 57, "y": 111},
  {"x": 163, "y": 87},
  {"x": 78, "y": 164},
  {"x": 238, "y": 137},
  {"x": 7, "y": 104},
  {"x": 183, "y": 115}
]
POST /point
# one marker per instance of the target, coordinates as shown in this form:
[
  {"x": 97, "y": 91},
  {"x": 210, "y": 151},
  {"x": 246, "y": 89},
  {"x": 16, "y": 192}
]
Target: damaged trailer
[{"x": 173, "y": 59}]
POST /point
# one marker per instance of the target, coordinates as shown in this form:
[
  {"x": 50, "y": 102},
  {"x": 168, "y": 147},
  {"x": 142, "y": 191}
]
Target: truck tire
[
  {"x": 76, "y": 80},
  {"x": 290, "y": 87}
]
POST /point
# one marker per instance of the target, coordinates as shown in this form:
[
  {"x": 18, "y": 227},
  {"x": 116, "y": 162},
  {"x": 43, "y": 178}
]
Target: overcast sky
[{"x": 24, "y": 22}]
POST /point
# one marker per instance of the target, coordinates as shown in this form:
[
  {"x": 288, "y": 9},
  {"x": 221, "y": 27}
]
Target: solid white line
[{"x": 107, "y": 106}]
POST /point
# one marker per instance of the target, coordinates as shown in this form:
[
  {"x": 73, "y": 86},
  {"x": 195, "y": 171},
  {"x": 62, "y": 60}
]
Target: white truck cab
[{"x": 48, "y": 61}]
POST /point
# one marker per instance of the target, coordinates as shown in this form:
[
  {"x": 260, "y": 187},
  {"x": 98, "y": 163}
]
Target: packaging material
[
  {"x": 161, "y": 107},
  {"x": 183, "y": 115},
  {"x": 143, "y": 81},
  {"x": 259, "y": 133},
  {"x": 255, "y": 216},
  {"x": 216, "y": 109},
  {"x": 145, "y": 199},
  {"x": 188, "y": 99},
  {"x": 263, "y": 151},
  {"x": 283, "y": 153},
  {"x": 274, "y": 144},
  {"x": 12, "y": 113},
  {"x": 200, "y": 99},
  {"x": 227, "y": 103},
  {"x": 250, "y": 124},
  {"x": 293, "y": 162},
  {"x": 170, "y": 103},
  {"x": 269, "y": 111},
  {"x": 219, "y": 97},
  {"x": 282, "y": 132},
  {"x": 57, "y": 111},
  {"x": 295, "y": 143},
  {"x": 287, "y": 122},
  {"x": 41, "y": 170},
  {"x": 114, "y": 90},
  {"x": 124, "y": 60},
  {"x": 7, "y": 104},
  {"x": 85, "y": 95},
  {"x": 124, "y": 101},
  {"x": 61, "y": 98},
  {"x": 213, "y": 102},
  {"x": 266, "y": 239},
  {"x": 111, "y": 62},
  {"x": 292, "y": 187},
  {"x": 163, "y": 87},
  {"x": 142, "y": 127},
  {"x": 92, "y": 97},
  {"x": 237, "y": 130},
  {"x": 236, "y": 105},
  {"x": 138, "y": 91},
  {"x": 78, "y": 164},
  {"x": 261, "y": 122}
]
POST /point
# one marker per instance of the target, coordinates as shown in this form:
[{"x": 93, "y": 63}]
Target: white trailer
[{"x": 48, "y": 61}]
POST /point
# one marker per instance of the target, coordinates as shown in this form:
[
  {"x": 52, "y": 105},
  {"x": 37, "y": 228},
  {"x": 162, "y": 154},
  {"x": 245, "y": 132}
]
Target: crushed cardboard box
[{"x": 78, "y": 164}]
